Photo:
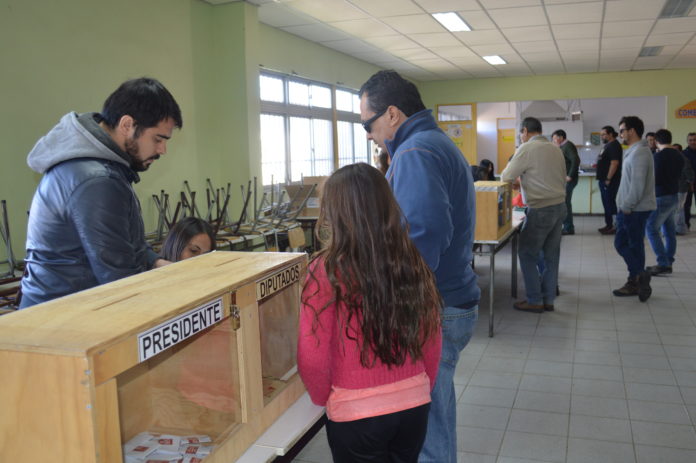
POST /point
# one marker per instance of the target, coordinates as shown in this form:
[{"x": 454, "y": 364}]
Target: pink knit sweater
[{"x": 327, "y": 357}]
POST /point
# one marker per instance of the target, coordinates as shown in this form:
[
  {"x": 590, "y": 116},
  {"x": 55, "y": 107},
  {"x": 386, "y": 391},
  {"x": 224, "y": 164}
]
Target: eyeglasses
[
  {"x": 367, "y": 125},
  {"x": 622, "y": 130}
]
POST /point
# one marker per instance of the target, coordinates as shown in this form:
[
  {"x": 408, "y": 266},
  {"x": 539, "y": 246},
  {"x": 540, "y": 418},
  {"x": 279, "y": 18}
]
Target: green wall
[{"x": 676, "y": 85}]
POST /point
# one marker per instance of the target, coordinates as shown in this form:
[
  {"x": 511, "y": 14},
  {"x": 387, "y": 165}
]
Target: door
[
  {"x": 506, "y": 141},
  {"x": 458, "y": 121}
]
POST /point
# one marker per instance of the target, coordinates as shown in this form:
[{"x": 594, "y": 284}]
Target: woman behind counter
[
  {"x": 189, "y": 237},
  {"x": 369, "y": 336}
]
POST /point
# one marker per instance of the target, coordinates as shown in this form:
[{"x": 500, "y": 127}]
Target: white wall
[
  {"x": 598, "y": 112},
  {"x": 487, "y": 115}
]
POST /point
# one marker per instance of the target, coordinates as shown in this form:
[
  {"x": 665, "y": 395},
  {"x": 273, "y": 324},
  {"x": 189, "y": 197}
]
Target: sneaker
[
  {"x": 629, "y": 289},
  {"x": 659, "y": 270},
  {"x": 524, "y": 306},
  {"x": 644, "y": 289},
  {"x": 609, "y": 231}
]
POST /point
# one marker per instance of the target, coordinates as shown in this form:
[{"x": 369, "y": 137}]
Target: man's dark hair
[
  {"x": 633, "y": 122},
  {"x": 610, "y": 130},
  {"x": 560, "y": 133},
  {"x": 650, "y": 134},
  {"x": 146, "y": 100},
  {"x": 691, "y": 134},
  {"x": 388, "y": 88},
  {"x": 663, "y": 137},
  {"x": 532, "y": 124}
]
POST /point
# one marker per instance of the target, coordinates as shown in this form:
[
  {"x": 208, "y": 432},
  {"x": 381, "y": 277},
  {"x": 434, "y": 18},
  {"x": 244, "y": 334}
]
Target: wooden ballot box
[
  {"x": 493, "y": 210},
  {"x": 206, "y": 346}
]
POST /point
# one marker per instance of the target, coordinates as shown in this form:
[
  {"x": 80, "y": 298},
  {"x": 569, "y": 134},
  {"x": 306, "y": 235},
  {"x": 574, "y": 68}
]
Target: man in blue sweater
[
  {"x": 433, "y": 185},
  {"x": 668, "y": 168}
]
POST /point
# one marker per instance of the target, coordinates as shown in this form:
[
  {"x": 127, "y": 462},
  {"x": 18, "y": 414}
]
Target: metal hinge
[{"x": 234, "y": 314}]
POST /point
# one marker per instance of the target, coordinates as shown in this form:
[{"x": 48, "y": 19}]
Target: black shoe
[
  {"x": 609, "y": 231},
  {"x": 558, "y": 290},
  {"x": 644, "y": 289},
  {"x": 659, "y": 270},
  {"x": 629, "y": 289},
  {"x": 605, "y": 228},
  {"x": 548, "y": 308},
  {"x": 567, "y": 232}
]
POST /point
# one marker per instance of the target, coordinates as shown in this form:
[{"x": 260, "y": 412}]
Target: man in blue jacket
[
  {"x": 433, "y": 185},
  {"x": 85, "y": 226}
]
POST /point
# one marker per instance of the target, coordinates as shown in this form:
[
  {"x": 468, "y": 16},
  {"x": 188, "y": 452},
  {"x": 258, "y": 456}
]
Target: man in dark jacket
[
  {"x": 85, "y": 226},
  {"x": 690, "y": 153},
  {"x": 669, "y": 164},
  {"x": 433, "y": 185},
  {"x": 572, "y": 162},
  {"x": 609, "y": 176}
]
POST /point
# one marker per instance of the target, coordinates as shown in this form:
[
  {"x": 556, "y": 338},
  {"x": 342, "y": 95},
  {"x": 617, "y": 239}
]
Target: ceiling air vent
[
  {"x": 676, "y": 8},
  {"x": 650, "y": 51}
]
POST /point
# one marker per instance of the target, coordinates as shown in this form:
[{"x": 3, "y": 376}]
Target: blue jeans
[
  {"x": 568, "y": 224},
  {"x": 541, "y": 232},
  {"x": 628, "y": 241},
  {"x": 679, "y": 220},
  {"x": 662, "y": 219},
  {"x": 608, "y": 194},
  {"x": 441, "y": 438}
]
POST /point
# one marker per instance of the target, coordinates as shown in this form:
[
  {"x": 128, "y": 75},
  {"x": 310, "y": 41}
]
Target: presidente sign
[
  {"x": 688, "y": 111},
  {"x": 179, "y": 328},
  {"x": 279, "y": 280}
]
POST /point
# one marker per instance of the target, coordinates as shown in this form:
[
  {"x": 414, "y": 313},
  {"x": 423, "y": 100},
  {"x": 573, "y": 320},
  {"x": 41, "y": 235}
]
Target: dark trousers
[
  {"x": 393, "y": 438},
  {"x": 568, "y": 224},
  {"x": 629, "y": 239},
  {"x": 608, "y": 194},
  {"x": 687, "y": 208}
]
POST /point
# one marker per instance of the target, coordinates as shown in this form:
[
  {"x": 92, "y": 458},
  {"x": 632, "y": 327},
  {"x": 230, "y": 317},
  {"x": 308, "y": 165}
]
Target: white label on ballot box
[
  {"x": 274, "y": 283},
  {"x": 171, "y": 332}
]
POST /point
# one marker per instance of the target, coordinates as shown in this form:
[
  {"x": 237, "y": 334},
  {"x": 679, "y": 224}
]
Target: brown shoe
[
  {"x": 629, "y": 289},
  {"x": 524, "y": 306},
  {"x": 609, "y": 231},
  {"x": 604, "y": 228}
]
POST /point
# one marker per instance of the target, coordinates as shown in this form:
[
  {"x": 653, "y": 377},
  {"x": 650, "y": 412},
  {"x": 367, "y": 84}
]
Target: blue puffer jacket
[
  {"x": 433, "y": 185},
  {"x": 85, "y": 225}
]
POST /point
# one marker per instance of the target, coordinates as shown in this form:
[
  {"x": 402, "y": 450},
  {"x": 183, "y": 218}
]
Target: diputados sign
[
  {"x": 180, "y": 328},
  {"x": 274, "y": 283}
]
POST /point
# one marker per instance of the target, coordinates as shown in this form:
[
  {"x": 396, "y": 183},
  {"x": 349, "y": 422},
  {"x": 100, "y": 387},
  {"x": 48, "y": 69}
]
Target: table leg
[
  {"x": 513, "y": 285},
  {"x": 491, "y": 290}
]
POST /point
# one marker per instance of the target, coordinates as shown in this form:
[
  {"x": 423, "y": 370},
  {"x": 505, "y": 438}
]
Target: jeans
[
  {"x": 662, "y": 219},
  {"x": 628, "y": 241},
  {"x": 679, "y": 220},
  {"x": 391, "y": 438},
  {"x": 687, "y": 208},
  {"x": 541, "y": 232},
  {"x": 568, "y": 224},
  {"x": 441, "y": 438},
  {"x": 608, "y": 194}
]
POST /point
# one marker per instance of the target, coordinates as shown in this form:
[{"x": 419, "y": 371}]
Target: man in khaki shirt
[{"x": 540, "y": 165}]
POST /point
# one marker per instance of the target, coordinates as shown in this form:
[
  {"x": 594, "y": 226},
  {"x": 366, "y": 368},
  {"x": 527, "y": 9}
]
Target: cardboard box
[
  {"x": 313, "y": 204},
  {"x": 493, "y": 210}
]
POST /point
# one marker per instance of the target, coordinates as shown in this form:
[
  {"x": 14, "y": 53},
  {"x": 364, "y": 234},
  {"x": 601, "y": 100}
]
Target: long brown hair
[{"x": 375, "y": 270}]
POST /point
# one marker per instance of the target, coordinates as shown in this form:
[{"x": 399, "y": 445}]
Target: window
[{"x": 297, "y": 128}]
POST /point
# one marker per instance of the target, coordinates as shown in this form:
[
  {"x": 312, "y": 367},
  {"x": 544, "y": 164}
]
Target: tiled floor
[{"x": 601, "y": 379}]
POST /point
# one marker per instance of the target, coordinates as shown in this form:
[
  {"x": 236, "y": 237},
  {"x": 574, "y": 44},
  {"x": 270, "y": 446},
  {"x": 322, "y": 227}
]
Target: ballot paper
[{"x": 148, "y": 447}]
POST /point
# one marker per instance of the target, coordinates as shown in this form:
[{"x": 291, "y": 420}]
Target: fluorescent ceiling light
[
  {"x": 452, "y": 21},
  {"x": 495, "y": 60}
]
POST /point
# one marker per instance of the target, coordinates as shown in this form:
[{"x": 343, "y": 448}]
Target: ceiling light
[
  {"x": 495, "y": 60},
  {"x": 650, "y": 51},
  {"x": 676, "y": 9},
  {"x": 452, "y": 21}
]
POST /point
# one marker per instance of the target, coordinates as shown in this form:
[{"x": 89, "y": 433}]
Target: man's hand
[
  {"x": 568, "y": 179},
  {"x": 161, "y": 263}
]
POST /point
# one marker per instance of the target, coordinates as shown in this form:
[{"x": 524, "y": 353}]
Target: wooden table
[{"x": 490, "y": 248}]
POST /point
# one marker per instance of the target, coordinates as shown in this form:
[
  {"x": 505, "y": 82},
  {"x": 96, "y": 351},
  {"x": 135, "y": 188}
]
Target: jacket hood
[
  {"x": 70, "y": 139},
  {"x": 422, "y": 120}
]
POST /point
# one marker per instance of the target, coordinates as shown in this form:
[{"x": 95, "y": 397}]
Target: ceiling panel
[
  {"x": 528, "y": 34},
  {"x": 440, "y": 6},
  {"x": 575, "y": 13},
  {"x": 318, "y": 32},
  {"x": 540, "y": 46},
  {"x": 350, "y": 46},
  {"x": 387, "y": 8},
  {"x": 667, "y": 26},
  {"x": 626, "y": 10},
  {"x": 465, "y": 62},
  {"x": 623, "y": 42},
  {"x": 680, "y": 38},
  {"x": 414, "y": 54},
  {"x": 364, "y": 28},
  {"x": 627, "y": 28},
  {"x": 454, "y": 52},
  {"x": 328, "y": 10},
  {"x": 477, "y": 20},
  {"x": 391, "y": 42},
  {"x": 490, "y": 4},
  {"x": 580, "y": 55},
  {"x": 519, "y": 17},
  {"x": 498, "y": 49},
  {"x": 480, "y": 37},
  {"x": 414, "y": 24},
  {"x": 570, "y": 45},
  {"x": 577, "y": 31},
  {"x": 651, "y": 62},
  {"x": 437, "y": 39},
  {"x": 277, "y": 15},
  {"x": 541, "y": 56}
]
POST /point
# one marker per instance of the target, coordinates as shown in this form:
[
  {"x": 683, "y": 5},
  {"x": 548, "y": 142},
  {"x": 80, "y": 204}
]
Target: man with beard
[
  {"x": 609, "y": 176},
  {"x": 85, "y": 227}
]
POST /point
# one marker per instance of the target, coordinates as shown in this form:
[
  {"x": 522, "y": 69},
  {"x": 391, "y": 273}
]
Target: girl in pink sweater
[{"x": 369, "y": 341}]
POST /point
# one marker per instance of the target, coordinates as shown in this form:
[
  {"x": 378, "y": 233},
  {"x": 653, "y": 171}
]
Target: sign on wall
[{"x": 688, "y": 111}]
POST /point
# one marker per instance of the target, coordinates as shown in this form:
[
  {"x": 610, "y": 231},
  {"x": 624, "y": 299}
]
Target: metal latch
[{"x": 236, "y": 320}]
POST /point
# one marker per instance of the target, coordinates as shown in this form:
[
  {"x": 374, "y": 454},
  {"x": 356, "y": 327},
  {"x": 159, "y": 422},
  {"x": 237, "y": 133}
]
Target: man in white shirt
[{"x": 540, "y": 165}]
